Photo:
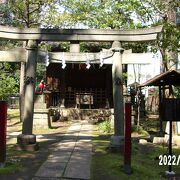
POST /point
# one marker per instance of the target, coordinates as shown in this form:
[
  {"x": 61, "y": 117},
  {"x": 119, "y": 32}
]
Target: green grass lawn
[
  {"x": 105, "y": 165},
  {"x": 145, "y": 161},
  {"x": 13, "y": 162},
  {"x": 16, "y": 161}
]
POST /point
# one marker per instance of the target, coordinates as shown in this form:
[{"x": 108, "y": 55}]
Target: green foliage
[
  {"x": 137, "y": 47},
  {"x": 171, "y": 36},
  {"x": 40, "y": 72},
  {"x": 10, "y": 168},
  {"x": 105, "y": 126},
  {"x": 55, "y": 47},
  {"x": 29, "y": 13},
  {"x": 105, "y": 14},
  {"x": 139, "y": 130},
  {"x": 94, "y": 14},
  {"x": 150, "y": 125},
  {"x": 168, "y": 45},
  {"x": 144, "y": 161},
  {"x": 9, "y": 79},
  {"x": 25, "y": 13},
  {"x": 5, "y": 15},
  {"x": 94, "y": 47},
  {"x": 19, "y": 13},
  {"x": 8, "y": 86},
  {"x": 125, "y": 14},
  {"x": 13, "y": 163},
  {"x": 109, "y": 14},
  {"x": 177, "y": 91}
]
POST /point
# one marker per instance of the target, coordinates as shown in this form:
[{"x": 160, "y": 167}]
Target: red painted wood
[
  {"x": 3, "y": 125},
  {"x": 127, "y": 146}
]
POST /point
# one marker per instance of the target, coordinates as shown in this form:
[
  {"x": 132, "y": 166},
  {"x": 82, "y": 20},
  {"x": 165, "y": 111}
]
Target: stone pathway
[{"x": 71, "y": 158}]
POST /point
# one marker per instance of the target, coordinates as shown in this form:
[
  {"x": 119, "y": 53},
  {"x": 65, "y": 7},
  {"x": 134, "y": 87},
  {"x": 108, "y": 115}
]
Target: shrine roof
[{"x": 171, "y": 77}]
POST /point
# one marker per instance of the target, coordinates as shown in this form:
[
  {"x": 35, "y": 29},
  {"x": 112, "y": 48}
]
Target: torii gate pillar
[
  {"x": 27, "y": 140},
  {"x": 117, "y": 139}
]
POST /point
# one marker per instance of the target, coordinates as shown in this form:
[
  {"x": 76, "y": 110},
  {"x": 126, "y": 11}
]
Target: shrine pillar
[
  {"x": 27, "y": 140},
  {"x": 117, "y": 84}
]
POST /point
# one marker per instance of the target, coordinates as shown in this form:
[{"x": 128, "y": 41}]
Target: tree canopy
[
  {"x": 106, "y": 14},
  {"x": 18, "y": 13},
  {"x": 124, "y": 14}
]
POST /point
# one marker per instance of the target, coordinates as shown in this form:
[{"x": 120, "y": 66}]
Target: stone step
[
  {"x": 40, "y": 105},
  {"x": 41, "y": 118},
  {"x": 165, "y": 140}
]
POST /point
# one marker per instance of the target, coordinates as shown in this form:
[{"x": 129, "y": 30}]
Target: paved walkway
[{"x": 71, "y": 158}]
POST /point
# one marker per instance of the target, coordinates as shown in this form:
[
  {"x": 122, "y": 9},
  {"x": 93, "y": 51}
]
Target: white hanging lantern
[
  {"x": 47, "y": 59},
  {"x": 101, "y": 59},
  {"x": 63, "y": 62},
  {"x": 87, "y": 62}
]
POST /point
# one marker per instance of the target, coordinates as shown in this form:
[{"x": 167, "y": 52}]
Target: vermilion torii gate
[{"x": 75, "y": 36}]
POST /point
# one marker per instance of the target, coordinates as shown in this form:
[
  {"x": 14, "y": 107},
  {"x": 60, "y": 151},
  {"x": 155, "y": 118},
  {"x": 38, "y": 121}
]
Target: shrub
[
  {"x": 105, "y": 126},
  {"x": 139, "y": 130}
]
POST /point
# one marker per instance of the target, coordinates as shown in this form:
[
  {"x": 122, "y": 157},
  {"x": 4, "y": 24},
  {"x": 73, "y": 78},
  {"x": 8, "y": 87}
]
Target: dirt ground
[{"x": 30, "y": 162}]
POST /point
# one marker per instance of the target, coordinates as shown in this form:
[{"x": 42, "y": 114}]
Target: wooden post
[
  {"x": 3, "y": 122},
  {"x": 127, "y": 144},
  {"x": 160, "y": 111},
  {"x": 26, "y": 140},
  {"x": 117, "y": 84},
  {"x": 170, "y": 145}
]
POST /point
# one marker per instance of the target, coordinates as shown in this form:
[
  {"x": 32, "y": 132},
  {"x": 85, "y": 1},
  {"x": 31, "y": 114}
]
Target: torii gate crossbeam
[
  {"x": 19, "y": 55},
  {"x": 147, "y": 34}
]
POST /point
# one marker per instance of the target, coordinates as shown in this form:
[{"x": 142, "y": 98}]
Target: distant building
[{"x": 142, "y": 72}]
